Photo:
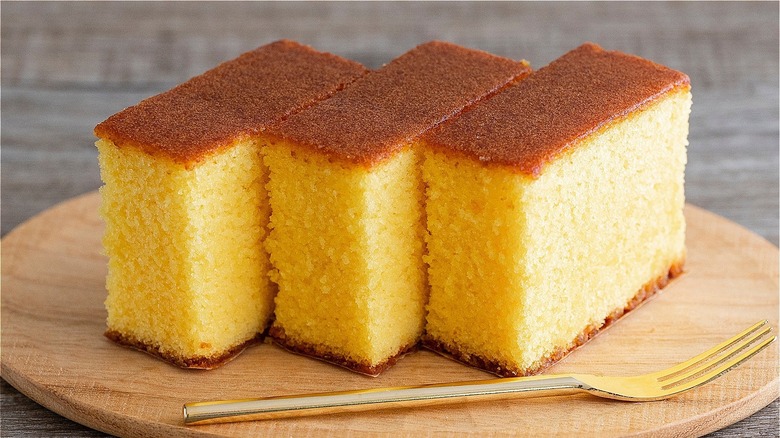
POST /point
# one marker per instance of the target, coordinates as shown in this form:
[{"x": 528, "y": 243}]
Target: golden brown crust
[
  {"x": 492, "y": 366},
  {"x": 385, "y": 110},
  {"x": 279, "y": 337},
  {"x": 535, "y": 120},
  {"x": 238, "y": 98},
  {"x": 199, "y": 362}
]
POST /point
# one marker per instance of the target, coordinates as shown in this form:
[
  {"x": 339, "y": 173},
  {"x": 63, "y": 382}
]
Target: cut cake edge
[
  {"x": 195, "y": 362},
  {"x": 647, "y": 291},
  {"x": 278, "y": 336}
]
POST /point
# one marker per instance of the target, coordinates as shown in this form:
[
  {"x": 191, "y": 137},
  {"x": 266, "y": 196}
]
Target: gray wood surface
[{"x": 67, "y": 66}]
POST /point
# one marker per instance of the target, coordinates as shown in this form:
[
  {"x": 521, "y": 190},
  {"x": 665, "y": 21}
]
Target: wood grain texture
[
  {"x": 67, "y": 66},
  {"x": 54, "y": 274}
]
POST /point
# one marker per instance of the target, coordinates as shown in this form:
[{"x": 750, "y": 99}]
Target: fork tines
[{"x": 718, "y": 360}]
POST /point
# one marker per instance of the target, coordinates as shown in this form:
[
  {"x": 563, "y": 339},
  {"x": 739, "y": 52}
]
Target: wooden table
[{"x": 67, "y": 66}]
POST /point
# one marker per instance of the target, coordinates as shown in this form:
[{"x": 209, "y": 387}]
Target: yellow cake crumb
[
  {"x": 521, "y": 266},
  {"x": 187, "y": 273},
  {"x": 366, "y": 303}
]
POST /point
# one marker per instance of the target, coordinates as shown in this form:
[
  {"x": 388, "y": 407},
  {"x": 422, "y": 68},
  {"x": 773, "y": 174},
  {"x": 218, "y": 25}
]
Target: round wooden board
[{"x": 53, "y": 350}]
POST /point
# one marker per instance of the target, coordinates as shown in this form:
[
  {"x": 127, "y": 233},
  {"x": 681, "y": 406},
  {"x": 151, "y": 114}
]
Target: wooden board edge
[
  {"x": 95, "y": 417},
  {"x": 722, "y": 417}
]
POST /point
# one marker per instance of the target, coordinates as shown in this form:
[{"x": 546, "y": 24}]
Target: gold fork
[{"x": 654, "y": 386}]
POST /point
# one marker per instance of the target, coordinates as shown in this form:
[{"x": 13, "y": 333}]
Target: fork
[{"x": 690, "y": 374}]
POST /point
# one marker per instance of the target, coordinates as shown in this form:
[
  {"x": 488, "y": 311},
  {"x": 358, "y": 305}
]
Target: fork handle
[{"x": 370, "y": 399}]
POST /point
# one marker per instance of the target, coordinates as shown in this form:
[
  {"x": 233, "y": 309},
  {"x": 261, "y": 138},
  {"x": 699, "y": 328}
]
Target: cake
[
  {"x": 554, "y": 208},
  {"x": 185, "y": 205},
  {"x": 347, "y": 226}
]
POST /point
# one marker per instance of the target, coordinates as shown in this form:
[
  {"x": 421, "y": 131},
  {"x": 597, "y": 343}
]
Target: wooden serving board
[{"x": 53, "y": 350}]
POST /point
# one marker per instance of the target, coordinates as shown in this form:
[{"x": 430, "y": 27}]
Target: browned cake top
[
  {"x": 530, "y": 123},
  {"x": 386, "y": 109},
  {"x": 236, "y": 99}
]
